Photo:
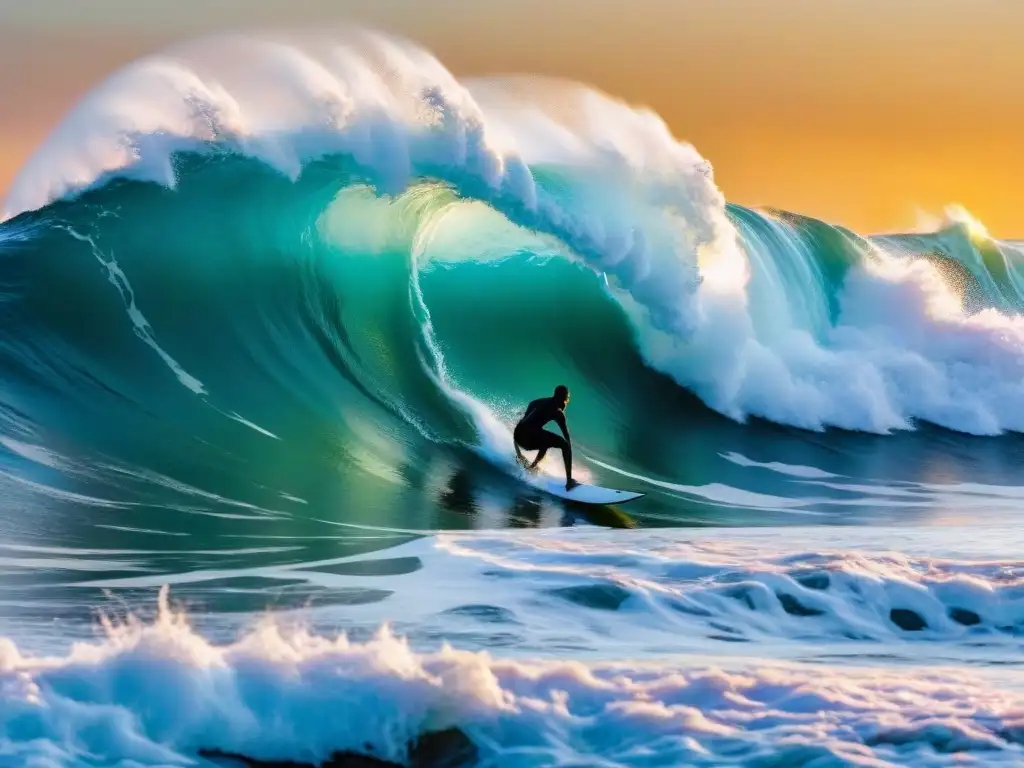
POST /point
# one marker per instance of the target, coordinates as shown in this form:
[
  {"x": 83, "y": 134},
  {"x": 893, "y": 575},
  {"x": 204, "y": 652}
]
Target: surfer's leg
[
  {"x": 530, "y": 441},
  {"x": 567, "y": 458},
  {"x": 551, "y": 440},
  {"x": 542, "y": 441}
]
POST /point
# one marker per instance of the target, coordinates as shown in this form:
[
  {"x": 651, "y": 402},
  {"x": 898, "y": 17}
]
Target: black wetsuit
[{"x": 531, "y": 435}]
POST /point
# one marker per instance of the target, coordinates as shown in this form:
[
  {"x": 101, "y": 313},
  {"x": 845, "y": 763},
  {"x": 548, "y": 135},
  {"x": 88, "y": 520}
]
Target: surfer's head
[{"x": 562, "y": 395}]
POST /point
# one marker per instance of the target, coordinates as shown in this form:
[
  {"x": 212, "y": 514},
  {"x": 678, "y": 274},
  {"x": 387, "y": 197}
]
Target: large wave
[{"x": 297, "y": 223}]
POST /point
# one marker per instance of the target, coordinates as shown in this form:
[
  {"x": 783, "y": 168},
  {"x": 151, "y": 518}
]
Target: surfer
[{"x": 531, "y": 435}]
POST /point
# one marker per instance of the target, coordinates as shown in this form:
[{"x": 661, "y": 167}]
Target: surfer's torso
[{"x": 539, "y": 413}]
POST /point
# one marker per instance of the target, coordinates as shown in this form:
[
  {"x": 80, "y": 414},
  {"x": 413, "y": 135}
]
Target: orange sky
[{"x": 861, "y": 112}]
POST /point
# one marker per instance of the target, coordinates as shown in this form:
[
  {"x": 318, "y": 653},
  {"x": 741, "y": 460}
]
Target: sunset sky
[{"x": 861, "y": 112}]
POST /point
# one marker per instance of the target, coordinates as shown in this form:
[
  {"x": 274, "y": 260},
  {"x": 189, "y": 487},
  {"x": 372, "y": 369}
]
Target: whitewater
[{"x": 271, "y": 305}]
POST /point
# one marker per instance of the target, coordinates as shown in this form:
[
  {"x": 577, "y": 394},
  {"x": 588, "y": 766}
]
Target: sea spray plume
[
  {"x": 157, "y": 692},
  {"x": 260, "y": 96},
  {"x": 901, "y": 348}
]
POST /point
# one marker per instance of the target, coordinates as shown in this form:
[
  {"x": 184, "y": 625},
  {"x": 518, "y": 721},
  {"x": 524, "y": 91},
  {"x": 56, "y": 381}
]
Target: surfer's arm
[{"x": 560, "y": 420}]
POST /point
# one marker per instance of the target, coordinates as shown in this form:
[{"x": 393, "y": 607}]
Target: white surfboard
[{"x": 582, "y": 493}]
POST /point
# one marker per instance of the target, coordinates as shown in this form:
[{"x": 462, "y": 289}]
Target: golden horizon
[{"x": 858, "y": 114}]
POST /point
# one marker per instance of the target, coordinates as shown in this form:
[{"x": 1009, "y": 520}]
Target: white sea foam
[
  {"x": 747, "y": 588},
  {"x": 155, "y": 693},
  {"x": 809, "y": 473}
]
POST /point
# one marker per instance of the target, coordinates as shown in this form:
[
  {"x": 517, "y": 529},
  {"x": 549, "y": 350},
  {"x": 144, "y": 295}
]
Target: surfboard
[{"x": 582, "y": 493}]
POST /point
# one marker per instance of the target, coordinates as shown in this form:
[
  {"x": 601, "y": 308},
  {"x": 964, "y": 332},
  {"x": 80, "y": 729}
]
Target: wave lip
[{"x": 402, "y": 117}]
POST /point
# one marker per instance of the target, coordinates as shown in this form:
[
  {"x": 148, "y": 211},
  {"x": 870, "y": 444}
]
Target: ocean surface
[{"x": 271, "y": 306}]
